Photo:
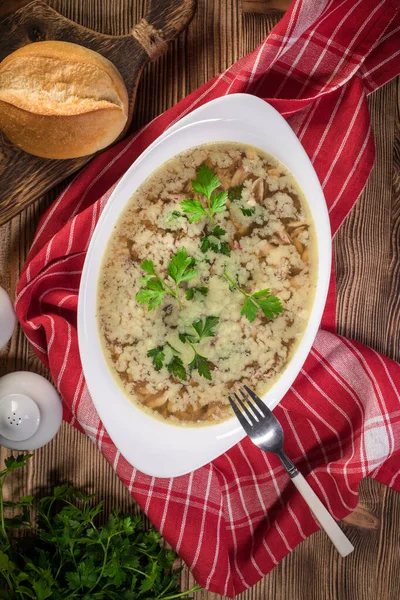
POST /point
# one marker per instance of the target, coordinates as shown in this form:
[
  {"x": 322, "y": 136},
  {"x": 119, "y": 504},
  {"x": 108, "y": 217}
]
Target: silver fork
[{"x": 265, "y": 431}]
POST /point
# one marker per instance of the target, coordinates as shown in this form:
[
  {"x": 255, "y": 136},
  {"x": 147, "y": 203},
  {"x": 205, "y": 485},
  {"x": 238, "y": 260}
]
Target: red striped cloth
[{"x": 236, "y": 518}]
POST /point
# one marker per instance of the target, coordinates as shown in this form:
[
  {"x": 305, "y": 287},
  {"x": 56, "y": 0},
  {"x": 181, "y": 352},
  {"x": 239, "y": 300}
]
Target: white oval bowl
[{"x": 152, "y": 446}]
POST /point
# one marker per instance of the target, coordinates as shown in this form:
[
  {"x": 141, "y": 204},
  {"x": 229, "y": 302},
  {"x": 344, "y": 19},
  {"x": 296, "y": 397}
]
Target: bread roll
[{"x": 61, "y": 100}]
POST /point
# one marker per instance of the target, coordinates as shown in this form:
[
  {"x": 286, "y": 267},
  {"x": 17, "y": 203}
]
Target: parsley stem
[
  {"x": 194, "y": 589},
  {"x": 194, "y": 349},
  {"x": 137, "y": 571},
  {"x": 3, "y": 529},
  {"x": 233, "y": 284},
  {"x": 209, "y": 212},
  {"x": 249, "y": 296},
  {"x": 171, "y": 291},
  {"x": 105, "y": 550},
  {"x": 177, "y": 296},
  {"x": 6, "y": 577}
]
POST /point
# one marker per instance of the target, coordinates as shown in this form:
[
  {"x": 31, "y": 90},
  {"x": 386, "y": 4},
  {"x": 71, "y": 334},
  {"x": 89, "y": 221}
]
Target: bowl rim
[{"x": 130, "y": 430}]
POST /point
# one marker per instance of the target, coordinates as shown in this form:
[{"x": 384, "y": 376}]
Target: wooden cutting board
[{"x": 24, "y": 177}]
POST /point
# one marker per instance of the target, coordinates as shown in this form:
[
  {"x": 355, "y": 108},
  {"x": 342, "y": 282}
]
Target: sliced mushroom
[
  {"x": 281, "y": 239},
  {"x": 240, "y": 228},
  {"x": 156, "y": 400},
  {"x": 294, "y": 283},
  {"x": 225, "y": 177},
  {"x": 142, "y": 392},
  {"x": 296, "y": 227},
  {"x": 298, "y": 245},
  {"x": 283, "y": 269},
  {"x": 305, "y": 255},
  {"x": 238, "y": 177},
  {"x": 258, "y": 189},
  {"x": 295, "y": 224}
]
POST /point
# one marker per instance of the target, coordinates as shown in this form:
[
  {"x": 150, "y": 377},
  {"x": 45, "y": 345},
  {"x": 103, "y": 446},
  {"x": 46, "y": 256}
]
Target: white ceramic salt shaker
[
  {"x": 7, "y": 318},
  {"x": 30, "y": 411}
]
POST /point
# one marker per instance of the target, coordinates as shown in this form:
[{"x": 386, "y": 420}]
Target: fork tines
[{"x": 248, "y": 410}]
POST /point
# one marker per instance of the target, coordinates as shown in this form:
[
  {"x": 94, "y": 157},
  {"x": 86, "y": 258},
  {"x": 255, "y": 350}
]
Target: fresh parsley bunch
[
  {"x": 66, "y": 555},
  {"x": 205, "y": 184}
]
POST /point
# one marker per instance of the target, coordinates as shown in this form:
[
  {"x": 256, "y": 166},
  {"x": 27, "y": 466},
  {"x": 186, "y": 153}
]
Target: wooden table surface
[{"x": 367, "y": 261}]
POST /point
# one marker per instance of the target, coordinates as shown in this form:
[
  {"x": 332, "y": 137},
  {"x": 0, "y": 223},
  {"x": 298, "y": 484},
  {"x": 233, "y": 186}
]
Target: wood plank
[
  {"x": 367, "y": 247},
  {"x": 265, "y": 6},
  {"x": 221, "y": 33},
  {"x": 7, "y": 7}
]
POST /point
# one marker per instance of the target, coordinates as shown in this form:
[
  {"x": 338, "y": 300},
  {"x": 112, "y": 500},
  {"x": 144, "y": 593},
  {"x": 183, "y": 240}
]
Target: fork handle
[{"x": 332, "y": 529}]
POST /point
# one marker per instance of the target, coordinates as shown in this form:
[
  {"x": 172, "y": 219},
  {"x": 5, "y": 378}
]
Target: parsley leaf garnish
[
  {"x": 235, "y": 193},
  {"x": 206, "y": 183},
  {"x": 194, "y": 209},
  {"x": 247, "y": 212},
  {"x": 158, "y": 356},
  {"x": 178, "y": 267},
  {"x": 218, "y": 202},
  {"x": 202, "y": 365},
  {"x": 212, "y": 240},
  {"x": 190, "y": 292},
  {"x": 152, "y": 294},
  {"x": 188, "y": 337},
  {"x": 204, "y": 328},
  {"x": 175, "y": 365},
  {"x": 177, "y": 368},
  {"x": 155, "y": 288},
  {"x": 262, "y": 300},
  {"x": 217, "y": 231},
  {"x": 173, "y": 216}
]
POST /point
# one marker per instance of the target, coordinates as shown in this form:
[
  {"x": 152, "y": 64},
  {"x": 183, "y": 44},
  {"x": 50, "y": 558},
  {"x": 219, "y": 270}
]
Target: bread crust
[{"x": 61, "y": 100}]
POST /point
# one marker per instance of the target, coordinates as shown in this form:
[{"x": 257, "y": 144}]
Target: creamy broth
[{"x": 270, "y": 238}]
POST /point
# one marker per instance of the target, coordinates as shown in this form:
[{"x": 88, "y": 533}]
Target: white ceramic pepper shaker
[
  {"x": 30, "y": 411},
  {"x": 7, "y": 318}
]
